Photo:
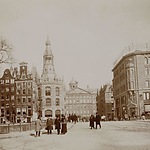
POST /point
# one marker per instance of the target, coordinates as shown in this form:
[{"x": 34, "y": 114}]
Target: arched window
[
  {"x": 48, "y": 102},
  {"x": 48, "y": 113},
  {"x": 57, "y": 102},
  {"x": 57, "y": 91},
  {"x": 47, "y": 91}
]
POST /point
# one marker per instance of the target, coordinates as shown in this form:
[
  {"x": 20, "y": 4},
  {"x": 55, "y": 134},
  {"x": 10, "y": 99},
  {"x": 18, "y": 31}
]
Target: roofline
[{"x": 137, "y": 52}]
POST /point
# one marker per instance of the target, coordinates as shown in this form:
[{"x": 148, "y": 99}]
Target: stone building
[
  {"x": 52, "y": 87},
  {"x": 131, "y": 84},
  {"x": 81, "y": 102},
  {"x": 105, "y": 102}
]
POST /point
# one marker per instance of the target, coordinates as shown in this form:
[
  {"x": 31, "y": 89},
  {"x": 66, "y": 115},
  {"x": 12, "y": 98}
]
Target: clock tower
[
  {"x": 52, "y": 87},
  {"x": 48, "y": 64}
]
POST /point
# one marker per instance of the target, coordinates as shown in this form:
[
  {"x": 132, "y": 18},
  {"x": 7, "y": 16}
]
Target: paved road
[{"x": 119, "y": 135}]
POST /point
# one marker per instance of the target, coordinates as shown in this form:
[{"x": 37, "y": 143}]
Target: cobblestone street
[{"x": 119, "y": 135}]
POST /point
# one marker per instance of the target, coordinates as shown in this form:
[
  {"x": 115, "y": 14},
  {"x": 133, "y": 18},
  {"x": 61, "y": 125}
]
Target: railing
[{"x": 7, "y": 128}]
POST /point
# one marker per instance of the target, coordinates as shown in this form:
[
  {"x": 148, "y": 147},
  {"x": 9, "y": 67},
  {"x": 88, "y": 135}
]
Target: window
[
  {"x": 24, "y": 100},
  {"x": 29, "y": 84},
  {"x": 2, "y": 81},
  {"x": 48, "y": 113},
  {"x": 18, "y": 85},
  {"x": 48, "y": 91},
  {"x": 48, "y": 102},
  {"x": 29, "y": 91},
  {"x": 57, "y": 91},
  {"x": 24, "y": 91},
  {"x": 29, "y": 100},
  {"x": 24, "y": 84},
  {"x": 146, "y": 60},
  {"x": 147, "y": 84},
  {"x": 146, "y": 96},
  {"x": 18, "y": 92},
  {"x": 7, "y": 81},
  {"x": 18, "y": 99},
  {"x": 57, "y": 102},
  {"x": 146, "y": 71},
  {"x": 12, "y": 97},
  {"x": 132, "y": 85}
]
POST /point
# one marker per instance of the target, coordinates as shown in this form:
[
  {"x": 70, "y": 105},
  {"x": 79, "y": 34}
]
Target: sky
[{"x": 87, "y": 36}]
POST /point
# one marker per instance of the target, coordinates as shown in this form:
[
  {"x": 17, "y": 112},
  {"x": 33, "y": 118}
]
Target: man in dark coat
[
  {"x": 57, "y": 124},
  {"x": 91, "y": 121},
  {"x": 97, "y": 120},
  {"x": 49, "y": 125}
]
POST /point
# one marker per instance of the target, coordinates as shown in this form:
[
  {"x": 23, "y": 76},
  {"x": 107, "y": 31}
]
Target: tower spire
[{"x": 47, "y": 43}]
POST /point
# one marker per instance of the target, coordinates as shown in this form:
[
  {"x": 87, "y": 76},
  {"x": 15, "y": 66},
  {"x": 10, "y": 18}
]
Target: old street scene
[
  {"x": 74, "y": 75},
  {"x": 122, "y": 135}
]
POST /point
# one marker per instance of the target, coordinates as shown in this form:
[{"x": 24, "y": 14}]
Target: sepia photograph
[{"x": 74, "y": 75}]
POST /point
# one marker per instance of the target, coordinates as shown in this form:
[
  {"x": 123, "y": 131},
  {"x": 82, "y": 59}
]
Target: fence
[{"x": 7, "y": 128}]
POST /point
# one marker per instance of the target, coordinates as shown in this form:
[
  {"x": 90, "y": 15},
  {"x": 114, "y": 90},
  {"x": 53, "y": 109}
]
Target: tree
[{"x": 5, "y": 52}]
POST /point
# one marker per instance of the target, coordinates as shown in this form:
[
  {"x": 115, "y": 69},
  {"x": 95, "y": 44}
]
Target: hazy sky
[{"x": 86, "y": 36}]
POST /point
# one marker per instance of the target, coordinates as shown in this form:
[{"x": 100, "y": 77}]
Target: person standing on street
[
  {"x": 91, "y": 121},
  {"x": 64, "y": 124},
  {"x": 97, "y": 120},
  {"x": 57, "y": 124},
  {"x": 49, "y": 125},
  {"x": 38, "y": 126}
]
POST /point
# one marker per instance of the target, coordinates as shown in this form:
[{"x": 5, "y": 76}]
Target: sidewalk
[{"x": 27, "y": 133}]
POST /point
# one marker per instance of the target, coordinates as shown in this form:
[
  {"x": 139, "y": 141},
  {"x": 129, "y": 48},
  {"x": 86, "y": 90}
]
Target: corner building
[
  {"x": 131, "y": 84},
  {"x": 52, "y": 88}
]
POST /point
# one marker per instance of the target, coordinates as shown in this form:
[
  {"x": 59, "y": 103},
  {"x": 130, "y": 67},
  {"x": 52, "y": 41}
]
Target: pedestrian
[
  {"x": 64, "y": 124},
  {"x": 38, "y": 126},
  {"x": 91, "y": 121},
  {"x": 97, "y": 120},
  {"x": 57, "y": 124},
  {"x": 49, "y": 125}
]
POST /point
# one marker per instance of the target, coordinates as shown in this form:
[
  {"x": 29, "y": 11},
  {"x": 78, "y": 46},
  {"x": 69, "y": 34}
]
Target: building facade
[
  {"x": 16, "y": 95},
  {"x": 52, "y": 88},
  {"x": 105, "y": 102},
  {"x": 7, "y": 98},
  {"x": 81, "y": 102},
  {"x": 24, "y": 94},
  {"x": 131, "y": 84}
]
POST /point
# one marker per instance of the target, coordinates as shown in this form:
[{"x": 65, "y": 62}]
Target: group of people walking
[
  {"x": 95, "y": 120},
  {"x": 60, "y": 124}
]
